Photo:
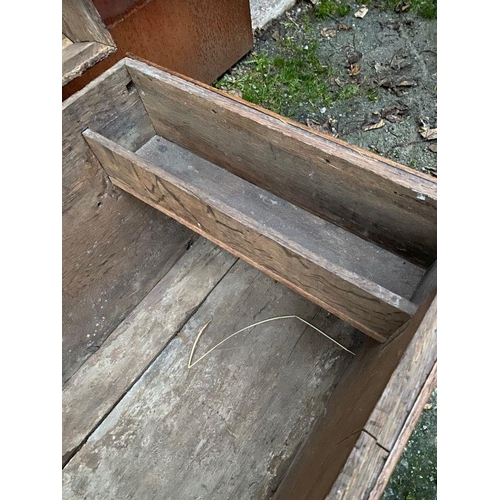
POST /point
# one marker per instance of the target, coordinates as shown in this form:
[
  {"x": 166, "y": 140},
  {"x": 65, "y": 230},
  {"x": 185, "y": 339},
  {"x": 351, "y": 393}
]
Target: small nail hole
[{"x": 131, "y": 87}]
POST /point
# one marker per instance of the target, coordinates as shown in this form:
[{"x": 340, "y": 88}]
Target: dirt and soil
[{"x": 370, "y": 81}]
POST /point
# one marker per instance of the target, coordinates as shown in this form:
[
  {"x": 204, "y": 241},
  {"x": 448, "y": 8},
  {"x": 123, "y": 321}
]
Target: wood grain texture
[
  {"x": 115, "y": 248},
  {"x": 66, "y": 42},
  {"x": 362, "y": 468},
  {"x": 265, "y": 231},
  {"x": 229, "y": 426},
  {"x": 326, "y": 463},
  {"x": 106, "y": 104},
  {"x": 403, "y": 436},
  {"x": 401, "y": 394},
  {"x": 82, "y": 23},
  {"x": 377, "y": 199},
  {"x": 78, "y": 57},
  {"x": 103, "y": 380}
]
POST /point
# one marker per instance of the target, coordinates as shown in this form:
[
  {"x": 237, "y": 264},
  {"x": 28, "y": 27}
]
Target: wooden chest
[{"x": 325, "y": 231}]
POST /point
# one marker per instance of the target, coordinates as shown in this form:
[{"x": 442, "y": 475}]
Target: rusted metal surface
[
  {"x": 198, "y": 39},
  {"x": 112, "y": 10}
]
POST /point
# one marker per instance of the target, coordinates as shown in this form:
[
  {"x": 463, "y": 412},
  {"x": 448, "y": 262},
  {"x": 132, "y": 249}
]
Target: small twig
[
  {"x": 392, "y": 133},
  {"x": 403, "y": 145},
  {"x": 247, "y": 328},
  {"x": 290, "y": 18}
]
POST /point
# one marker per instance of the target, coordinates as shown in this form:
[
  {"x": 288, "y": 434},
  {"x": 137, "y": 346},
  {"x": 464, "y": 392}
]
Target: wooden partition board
[
  {"x": 86, "y": 41},
  {"x": 379, "y": 200},
  {"x": 314, "y": 258}
]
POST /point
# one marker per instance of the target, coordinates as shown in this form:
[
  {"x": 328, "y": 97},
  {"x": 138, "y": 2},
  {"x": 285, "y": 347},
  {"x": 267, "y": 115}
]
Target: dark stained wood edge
[
  {"x": 378, "y": 200},
  {"x": 403, "y": 436},
  {"x": 374, "y": 310},
  {"x": 80, "y": 56}
]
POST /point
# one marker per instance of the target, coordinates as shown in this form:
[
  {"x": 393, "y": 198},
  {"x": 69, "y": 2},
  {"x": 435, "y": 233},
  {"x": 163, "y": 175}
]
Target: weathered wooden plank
[
  {"x": 325, "y": 464},
  {"x": 399, "y": 395},
  {"x": 82, "y": 23},
  {"x": 109, "y": 103},
  {"x": 377, "y": 199},
  {"x": 102, "y": 381},
  {"x": 361, "y": 471},
  {"x": 427, "y": 287},
  {"x": 403, "y": 436},
  {"x": 267, "y": 232},
  {"x": 78, "y": 57},
  {"x": 229, "y": 426},
  {"x": 115, "y": 248},
  {"x": 387, "y": 428}
]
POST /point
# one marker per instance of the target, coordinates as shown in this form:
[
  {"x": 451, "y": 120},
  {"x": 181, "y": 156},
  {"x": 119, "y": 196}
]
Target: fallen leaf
[
  {"x": 342, "y": 26},
  {"x": 402, "y": 6},
  {"x": 276, "y": 35},
  {"x": 312, "y": 123},
  {"x": 425, "y": 129},
  {"x": 328, "y": 32},
  {"x": 432, "y": 171},
  {"x": 392, "y": 82},
  {"x": 394, "y": 114},
  {"x": 433, "y": 147},
  {"x": 339, "y": 82},
  {"x": 428, "y": 406},
  {"x": 399, "y": 64},
  {"x": 355, "y": 69},
  {"x": 394, "y": 118},
  {"x": 361, "y": 12},
  {"x": 430, "y": 133},
  {"x": 405, "y": 82},
  {"x": 373, "y": 123},
  {"x": 379, "y": 67},
  {"x": 327, "y": 127}
]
